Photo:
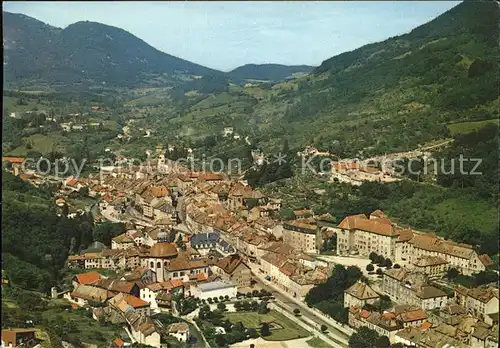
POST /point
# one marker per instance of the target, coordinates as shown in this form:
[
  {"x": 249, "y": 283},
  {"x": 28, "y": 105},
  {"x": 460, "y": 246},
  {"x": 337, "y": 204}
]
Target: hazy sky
[{"x": 224, "y": 35}]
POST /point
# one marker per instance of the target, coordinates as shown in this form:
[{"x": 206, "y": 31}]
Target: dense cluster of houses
[
  {"x": 425, "y": 316},
  {"x": 228, "y": 228}
]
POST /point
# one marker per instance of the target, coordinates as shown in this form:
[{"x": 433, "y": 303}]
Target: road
[{"x": 288, "y": 303}]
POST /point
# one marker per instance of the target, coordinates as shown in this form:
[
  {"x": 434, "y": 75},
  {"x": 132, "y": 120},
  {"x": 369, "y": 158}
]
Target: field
[
  {"x": 468, "y": 127},
  {"x": 87, "y": 329},
  {"x": 41, "y": 143},
  {"x": 289, "y": 331},
  {"x": 10, "y": 104},
  {"x": 317, "y": 343}
]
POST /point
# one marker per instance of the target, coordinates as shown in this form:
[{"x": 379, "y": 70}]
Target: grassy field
[
  {"x": 468, "y": 127},
  {"x": 81, "y": 202},
  {"x": 289, "y": 331},
  {"x": 317, "y": 343},
  {"x": 41, "y": 143}
]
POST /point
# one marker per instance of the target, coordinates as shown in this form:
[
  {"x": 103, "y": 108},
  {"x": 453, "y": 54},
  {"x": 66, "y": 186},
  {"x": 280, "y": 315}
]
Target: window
[{"x": 152, "y": 264}]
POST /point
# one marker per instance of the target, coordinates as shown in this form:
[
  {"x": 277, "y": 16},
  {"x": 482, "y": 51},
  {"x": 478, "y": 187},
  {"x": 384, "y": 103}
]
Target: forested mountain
[
  {"x": 84, "y": 52},
  {"x": 389, "y": 96},
  {"x": 404, "y": 91},
  {"x": 267, "y": 72},
  {"x": 94, "y": 53}
]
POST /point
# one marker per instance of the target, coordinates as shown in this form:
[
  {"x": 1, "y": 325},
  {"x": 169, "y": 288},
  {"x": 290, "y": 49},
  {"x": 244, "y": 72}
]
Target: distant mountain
[
  {"x": 84, "y": 52},
  {"x": 267, "y": 72}
]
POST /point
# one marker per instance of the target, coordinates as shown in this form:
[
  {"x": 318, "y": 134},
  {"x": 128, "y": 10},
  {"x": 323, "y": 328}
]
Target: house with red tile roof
[
  {"x": 88, "y": 278},
  {"x": 118, "y": 343}
]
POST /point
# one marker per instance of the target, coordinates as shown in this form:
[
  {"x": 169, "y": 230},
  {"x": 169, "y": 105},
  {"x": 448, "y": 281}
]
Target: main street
[{"x": 288, "y": 303}]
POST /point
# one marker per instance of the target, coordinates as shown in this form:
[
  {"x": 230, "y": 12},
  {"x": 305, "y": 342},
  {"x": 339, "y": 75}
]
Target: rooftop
[
  {"x": 362, "y": 291},
  {"x": 221, "y": 284}
]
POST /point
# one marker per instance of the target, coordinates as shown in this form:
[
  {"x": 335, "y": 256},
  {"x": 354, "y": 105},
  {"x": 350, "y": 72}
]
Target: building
[
  {"x": 288, "y": 272},
  {"x": 88, "y": 278},
  {"x": 152, "y": 292},
  {"x": 19, "y": 338},
  {"x": 180, "y": 331},
  {"x": 432, "y": 266},
  {"x": 214, "y": 289},
  {"x": 303, "y": 235},
  {"x": 360, "y": 294},
  {"x": 410, "y": 287},
  {"x": 16, "y": 164},
  {"x": 87, "y": 294},
  {"x": 363, "y": 235},
  {"x": 204, "y": 242},
  {"x": 122, "y": 302},
  {"x": 385, "y": 324},
  {"x": 122, "y": 241},
  {"x": 234, "y": 269},
  {"x": 463, "y": 257},
  {"x": 183, "y": 269},
  {"x": 144, "y": 332},
  {"x": 481, "y": 302},
  {"x": 159, "y": 256}
]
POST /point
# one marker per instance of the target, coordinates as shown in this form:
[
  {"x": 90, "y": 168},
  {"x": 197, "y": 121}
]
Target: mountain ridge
[
  {"x": 267, "y": 71},
  {"x": 84, "y": 52},
  {"x": 96, "y": 53}
]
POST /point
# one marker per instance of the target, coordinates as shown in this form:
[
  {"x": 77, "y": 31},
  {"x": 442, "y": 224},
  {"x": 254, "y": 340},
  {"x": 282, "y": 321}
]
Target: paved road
[{"x": 285, "y": 301}]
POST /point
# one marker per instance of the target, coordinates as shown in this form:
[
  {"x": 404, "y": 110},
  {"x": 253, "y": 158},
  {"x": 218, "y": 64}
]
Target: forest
[{"x": 34, "y": 252}]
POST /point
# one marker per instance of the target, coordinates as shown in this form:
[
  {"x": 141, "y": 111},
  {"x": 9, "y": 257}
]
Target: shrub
[
  {"x": 388, "y": 263},
  {"x": 370, "y": 267}
]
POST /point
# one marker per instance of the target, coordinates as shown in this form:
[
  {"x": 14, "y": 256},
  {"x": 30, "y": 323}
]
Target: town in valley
[{"x": 148, "y": 201}]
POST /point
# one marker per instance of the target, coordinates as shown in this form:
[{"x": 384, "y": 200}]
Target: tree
[
  {"x": 324, "y": 328},
  {"x": 452, "y": 273},
  {"x": 388, "y": 263},
  {"x": 379, "y": 260},
  {"x": 383, "y": 303},
  {"x": 379, "y": 271},
  {"x": 370, "y": 267},
  {"x": 221, "y": 306},
  {"x": 373, "y": 256},
  {"x": 383, "y": 342},
  {"x": 396, "y": 265},
  {"x": 363, "y": 338},
  {"x": 265, "y": 330},
  {"x": 179, "y": 241},
  {"x": 252, "y": 333},
  {"x": 296, "y": 311},
  {"x": 107, "y": 230}
]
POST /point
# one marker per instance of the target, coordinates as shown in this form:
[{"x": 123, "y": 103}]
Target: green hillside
[{"x": 388, "y": 96}]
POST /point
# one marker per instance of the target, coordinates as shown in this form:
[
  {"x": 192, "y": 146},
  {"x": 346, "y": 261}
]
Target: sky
[{"x": 225, "y": 35}]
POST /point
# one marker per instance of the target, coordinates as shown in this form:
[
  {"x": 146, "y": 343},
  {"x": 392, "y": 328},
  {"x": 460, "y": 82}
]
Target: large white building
[{"x": 214, "y": 289}]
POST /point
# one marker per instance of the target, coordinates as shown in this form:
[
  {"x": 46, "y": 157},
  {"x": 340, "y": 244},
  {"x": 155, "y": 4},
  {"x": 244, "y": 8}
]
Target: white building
[
  {"x": 214, "y": 289},
  {"x": 180, "y": 331}
]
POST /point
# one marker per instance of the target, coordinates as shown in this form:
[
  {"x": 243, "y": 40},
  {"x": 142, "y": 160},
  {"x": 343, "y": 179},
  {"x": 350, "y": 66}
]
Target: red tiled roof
[
  {"x": 88, "y": 278},
  {"x": 13, "y": 159},
  {"x": 118, "y": 341},
  {"x": 485, "y": 260},
  {"x": 425, "y": 325},
  {"x": 135, "y": 302},
  {"x": 201, "y": 277},
  {"x": 72, "y": 182}
]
